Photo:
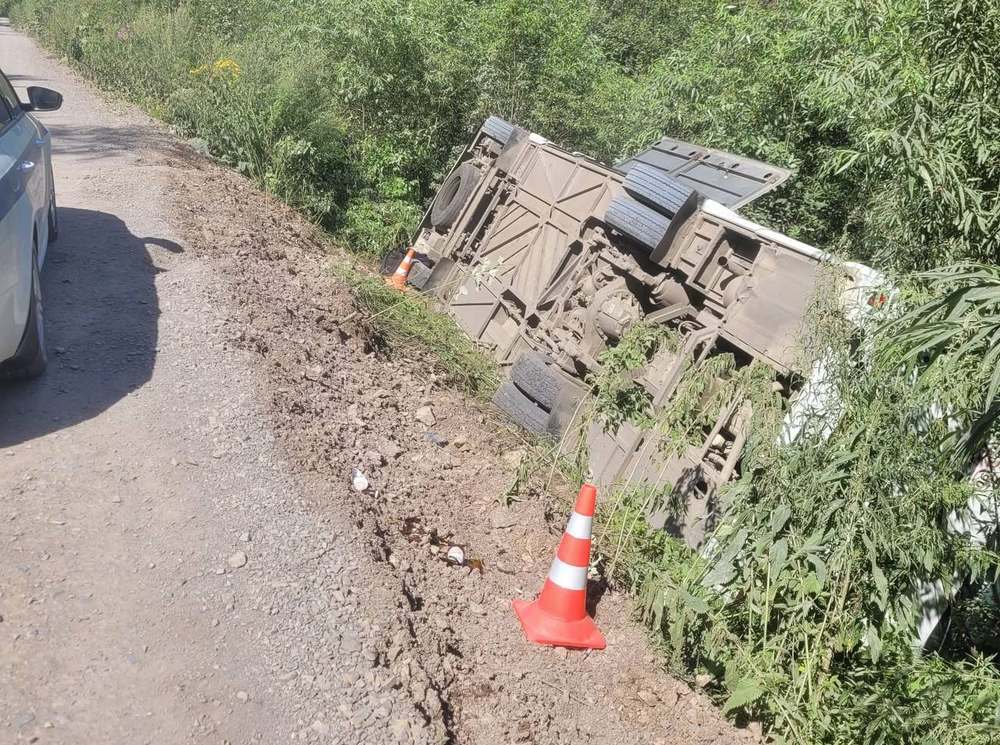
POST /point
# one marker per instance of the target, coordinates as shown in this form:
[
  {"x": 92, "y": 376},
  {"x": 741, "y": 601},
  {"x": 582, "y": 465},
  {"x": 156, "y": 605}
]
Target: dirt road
[{"x": 182, "y": 556}]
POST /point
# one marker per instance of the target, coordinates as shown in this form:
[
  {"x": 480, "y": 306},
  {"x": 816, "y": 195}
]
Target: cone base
[
  {"x": 396, "y": 282},
  {"x": 542, "y": 628}
]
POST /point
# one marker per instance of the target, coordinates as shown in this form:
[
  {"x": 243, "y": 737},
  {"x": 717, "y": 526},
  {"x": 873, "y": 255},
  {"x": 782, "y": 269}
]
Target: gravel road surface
[{"x": 182, "y": 556}]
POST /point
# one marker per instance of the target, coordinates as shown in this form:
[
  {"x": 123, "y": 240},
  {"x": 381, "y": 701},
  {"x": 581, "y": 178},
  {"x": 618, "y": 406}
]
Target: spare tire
[
  {"x": 642, "y": 224},
  {"x": 454, "y": 193},
  {"x": 656, "y": 189}
]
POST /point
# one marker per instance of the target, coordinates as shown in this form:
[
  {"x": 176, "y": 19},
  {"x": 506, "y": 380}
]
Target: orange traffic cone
[
  {"x": 559, "y": 616},
  {"x": 398, "y": 278}
]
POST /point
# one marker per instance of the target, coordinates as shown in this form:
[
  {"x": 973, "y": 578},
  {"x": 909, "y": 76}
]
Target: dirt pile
[{"x": 437, "y": 466}]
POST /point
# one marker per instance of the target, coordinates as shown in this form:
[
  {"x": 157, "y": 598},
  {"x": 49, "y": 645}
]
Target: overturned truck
[{"x": 547, "y": 257}]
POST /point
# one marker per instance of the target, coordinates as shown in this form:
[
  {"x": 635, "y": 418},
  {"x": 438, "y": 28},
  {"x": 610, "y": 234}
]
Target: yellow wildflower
[{"x": 225, "y": 67}]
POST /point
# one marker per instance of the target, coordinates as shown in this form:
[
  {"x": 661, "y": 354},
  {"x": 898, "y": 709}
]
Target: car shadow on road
[
  {"x": 95, "y": 142},
  {"x": 101, "y": 317}
]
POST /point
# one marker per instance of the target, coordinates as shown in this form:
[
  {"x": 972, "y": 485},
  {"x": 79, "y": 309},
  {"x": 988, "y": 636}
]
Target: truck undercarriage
[{"x": 547, "y": 258}]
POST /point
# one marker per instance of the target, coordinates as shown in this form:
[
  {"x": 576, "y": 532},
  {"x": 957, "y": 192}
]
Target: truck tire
[
  {"x": 510, "y": 400},
  {"x": 31, "y": 359},
  {"x": 537, "y": 380},
  {"x": 644, "y": 225},
  {"x": 454, "y": 193},
  {"x": 498, "y": 129},
  {"x": 656, "y": 189}
]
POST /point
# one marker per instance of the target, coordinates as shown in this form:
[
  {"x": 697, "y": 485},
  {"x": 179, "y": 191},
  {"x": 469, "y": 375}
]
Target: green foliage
[
  {"x": 915, "y": 104},
  {"x": 710, "y": 388},
  {"x": 953, "y": 331},
  {"x": 618, "y": 398},
  {"x": 887, "y": 111},
  {"x": 369, "y": 226}
]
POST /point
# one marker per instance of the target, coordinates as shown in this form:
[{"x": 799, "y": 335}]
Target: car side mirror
[{"x": 43, "y": 99}]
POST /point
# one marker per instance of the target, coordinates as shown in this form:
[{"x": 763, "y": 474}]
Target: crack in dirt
[{"x": 428, "y": 648}]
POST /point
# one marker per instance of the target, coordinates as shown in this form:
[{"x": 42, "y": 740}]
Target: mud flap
[{"x": 420, "y": 273}]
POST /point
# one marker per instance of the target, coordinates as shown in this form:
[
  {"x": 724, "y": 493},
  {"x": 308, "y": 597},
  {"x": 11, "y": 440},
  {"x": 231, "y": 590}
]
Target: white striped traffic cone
[
  {"x": 398, "y": 278},
  {"x": 559, "y": 616}
]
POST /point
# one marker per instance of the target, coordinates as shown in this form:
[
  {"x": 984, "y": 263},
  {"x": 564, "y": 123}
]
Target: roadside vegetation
[
  {"x": 802, "y": 614},
  {"x": 352, "y": 110},
  {"x": 410, "y": 321}
]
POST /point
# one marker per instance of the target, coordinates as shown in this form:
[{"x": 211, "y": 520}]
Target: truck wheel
[
  {"x": 658, "y": 190},
  {"x": 521, "y": 409},
  {"x": 639, "y": 222},
  {"x": 455, "y": 192},
  {"x": 30, "y": 360},
  {"x": 537, "y": 379},
  {"x": 498, "y": 129}
]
